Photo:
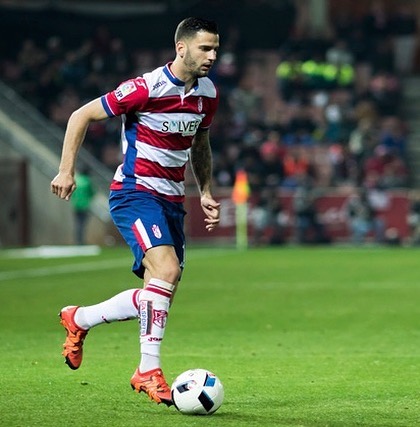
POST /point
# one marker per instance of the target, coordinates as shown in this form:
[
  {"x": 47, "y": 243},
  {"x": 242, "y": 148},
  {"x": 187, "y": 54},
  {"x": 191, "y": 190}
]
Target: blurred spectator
[
  {"x": 413, "y": 218},
  {"x": 339, "y": 53},
  {"x": 267, "y": 219},
  {"x": 363, "y": 219},
  {"x": 64, "y": 105},
  {"x": 273, "y": 144},
  {"x": 301, "y": 127},
  {"x": 289, "y": 77},
  {"x": 339, "y": 116},
  {"x": 81, "y": 201},
  {"x": 365, "y": 108},
  {"x": 376, "y": 24},
  {"x": 226, "y": 71},
  {"x": 393, "y": 136},
  {"x": 224, "y": 165},
  {"x": 385, "y": 91},
  {"x": 308, "y": 227},
  {"x": 223, "y": 171},
  {"x": 54, "y": 49},
  {"x": 297, "y": 167},
  {"x": 101, "y": 39},
  {"x": 30, "y": 60},
  {"x": 343, "y": 25},
  {"x": 382, "y": 59},
  {"x": 395, "y": 173},
  {"x": 384, "y": 168},
  {"x": 74, "y": 69},
  {"x": 343, "y": 166},
  {"x": 246, "y": 105},
  {"x": 272, "y": 153},
  {"x": 250, "y": 161},
  {"x": 118, "y": 61},
  {"x": 361, "y": 143},
  {"x": 313, "y": 72},
  {"x": 404, "y": 31},
  {"x": 360, "y": 45}
]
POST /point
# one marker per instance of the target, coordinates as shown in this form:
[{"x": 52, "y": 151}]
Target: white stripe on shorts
[{"x": 143, "y": 234}]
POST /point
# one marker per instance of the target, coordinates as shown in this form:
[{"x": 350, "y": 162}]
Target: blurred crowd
[
  {"x": 337, "y": 111},
  {"x": 334, "y": 110}
]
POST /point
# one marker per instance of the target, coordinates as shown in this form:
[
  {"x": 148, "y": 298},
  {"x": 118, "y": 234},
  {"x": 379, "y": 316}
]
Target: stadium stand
[{"x": 325, "y": 110}]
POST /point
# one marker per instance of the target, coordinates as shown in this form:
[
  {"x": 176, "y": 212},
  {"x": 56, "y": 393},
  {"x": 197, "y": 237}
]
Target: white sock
[
  {"x": 153, "y": 312},
  {"x": 123, "y": 306}
]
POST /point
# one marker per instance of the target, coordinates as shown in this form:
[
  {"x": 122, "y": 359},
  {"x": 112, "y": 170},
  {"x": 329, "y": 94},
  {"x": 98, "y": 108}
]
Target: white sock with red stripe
[
  {"x": 153, "y": 311},
  {"x": 123, "y": 306}
]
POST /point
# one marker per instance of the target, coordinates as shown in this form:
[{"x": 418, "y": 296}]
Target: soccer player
[{"x": 166, "y": 115}]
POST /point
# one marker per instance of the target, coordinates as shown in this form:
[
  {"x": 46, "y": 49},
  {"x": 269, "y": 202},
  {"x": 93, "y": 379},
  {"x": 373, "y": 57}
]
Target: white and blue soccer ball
[{"x": 197, "y": 392}]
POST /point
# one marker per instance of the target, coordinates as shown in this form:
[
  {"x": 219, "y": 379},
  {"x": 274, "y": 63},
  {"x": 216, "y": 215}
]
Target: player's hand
[
  {"x": 63, "y": 185},
  {"x": 211, "y": 208}
]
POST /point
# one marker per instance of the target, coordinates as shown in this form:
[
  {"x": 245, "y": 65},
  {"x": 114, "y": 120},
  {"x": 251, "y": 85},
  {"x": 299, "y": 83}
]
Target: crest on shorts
[
  {"x": 159, "y": 318},
  {"x": 156, "y": 231}
]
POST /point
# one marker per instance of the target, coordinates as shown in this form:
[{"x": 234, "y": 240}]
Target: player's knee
[
  {"x": 162, "y": 263},
  {"x": 168, "y": 271},
  {"x": 172, "y": 273}
]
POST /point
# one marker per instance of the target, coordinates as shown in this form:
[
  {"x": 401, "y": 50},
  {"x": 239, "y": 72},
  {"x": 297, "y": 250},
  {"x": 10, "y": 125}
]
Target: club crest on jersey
[
  {"x": 200, "y": 104},
  {"x": 156, "y": 231},
  {"x": 159, "y": 318},
  {"x": 125, "y": 89}
]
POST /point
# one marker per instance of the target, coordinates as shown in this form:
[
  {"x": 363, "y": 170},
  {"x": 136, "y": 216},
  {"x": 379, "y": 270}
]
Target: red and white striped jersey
[{"x": 159, "y": 122}]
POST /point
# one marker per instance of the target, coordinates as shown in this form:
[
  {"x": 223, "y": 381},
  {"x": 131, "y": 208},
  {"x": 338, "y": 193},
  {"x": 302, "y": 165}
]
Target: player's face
[{"x": 200, "y": 53}]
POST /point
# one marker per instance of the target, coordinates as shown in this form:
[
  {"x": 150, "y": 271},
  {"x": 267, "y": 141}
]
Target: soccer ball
[{"x": 197, "y": 392}]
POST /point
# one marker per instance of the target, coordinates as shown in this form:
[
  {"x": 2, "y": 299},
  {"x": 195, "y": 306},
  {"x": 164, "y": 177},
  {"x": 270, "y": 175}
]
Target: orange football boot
[
  {"x": 73, "y": 346},
  {"x": 152, "y": 383}
]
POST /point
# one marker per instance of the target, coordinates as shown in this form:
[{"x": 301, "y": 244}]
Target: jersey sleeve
[
  {"x": 131, "y": 95},
  {"x": 210, "y": 111}
]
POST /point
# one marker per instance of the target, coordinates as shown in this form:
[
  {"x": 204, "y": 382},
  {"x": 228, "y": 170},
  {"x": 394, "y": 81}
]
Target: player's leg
[
  {"x": 164, "y": 242},
  {"x": 161, "y": 277},
  {"x": 123, "y": 306},
  {"x": 78, "y": 320}
]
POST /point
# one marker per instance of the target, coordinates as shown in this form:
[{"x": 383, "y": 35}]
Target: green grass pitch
[{"x": 315, "y": 336}]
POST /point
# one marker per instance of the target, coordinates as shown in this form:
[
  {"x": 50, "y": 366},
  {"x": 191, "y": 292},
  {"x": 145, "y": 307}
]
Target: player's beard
[{"x": 193, "y": 67}]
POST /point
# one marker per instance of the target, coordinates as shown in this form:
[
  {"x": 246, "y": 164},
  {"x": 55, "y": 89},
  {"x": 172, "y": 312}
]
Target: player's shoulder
[
  {"x": 154, "y": 77},
  {"x": 146, "y": 81},
  {"x": 131, "y": 88},
  {"x": 207, "y": 87}
]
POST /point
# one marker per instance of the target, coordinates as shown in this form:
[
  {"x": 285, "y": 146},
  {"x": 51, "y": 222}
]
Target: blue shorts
[{"x": 146, "y": 221}]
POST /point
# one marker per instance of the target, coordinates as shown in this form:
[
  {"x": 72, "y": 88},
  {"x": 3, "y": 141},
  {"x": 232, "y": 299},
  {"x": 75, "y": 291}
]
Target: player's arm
[
  {"x": 63, "y": 185},
  {"x": 201, "y": 161}
]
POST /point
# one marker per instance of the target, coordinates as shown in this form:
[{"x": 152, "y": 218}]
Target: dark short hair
[{"x": 190, "y": 26}]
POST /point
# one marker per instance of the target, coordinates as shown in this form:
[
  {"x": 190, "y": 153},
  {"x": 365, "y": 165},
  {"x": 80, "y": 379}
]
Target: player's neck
[{"x": 179, "y": 71}]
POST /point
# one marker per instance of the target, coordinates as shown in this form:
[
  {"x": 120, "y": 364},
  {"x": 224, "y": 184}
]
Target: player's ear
[{"x": 180, "y": 48}]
